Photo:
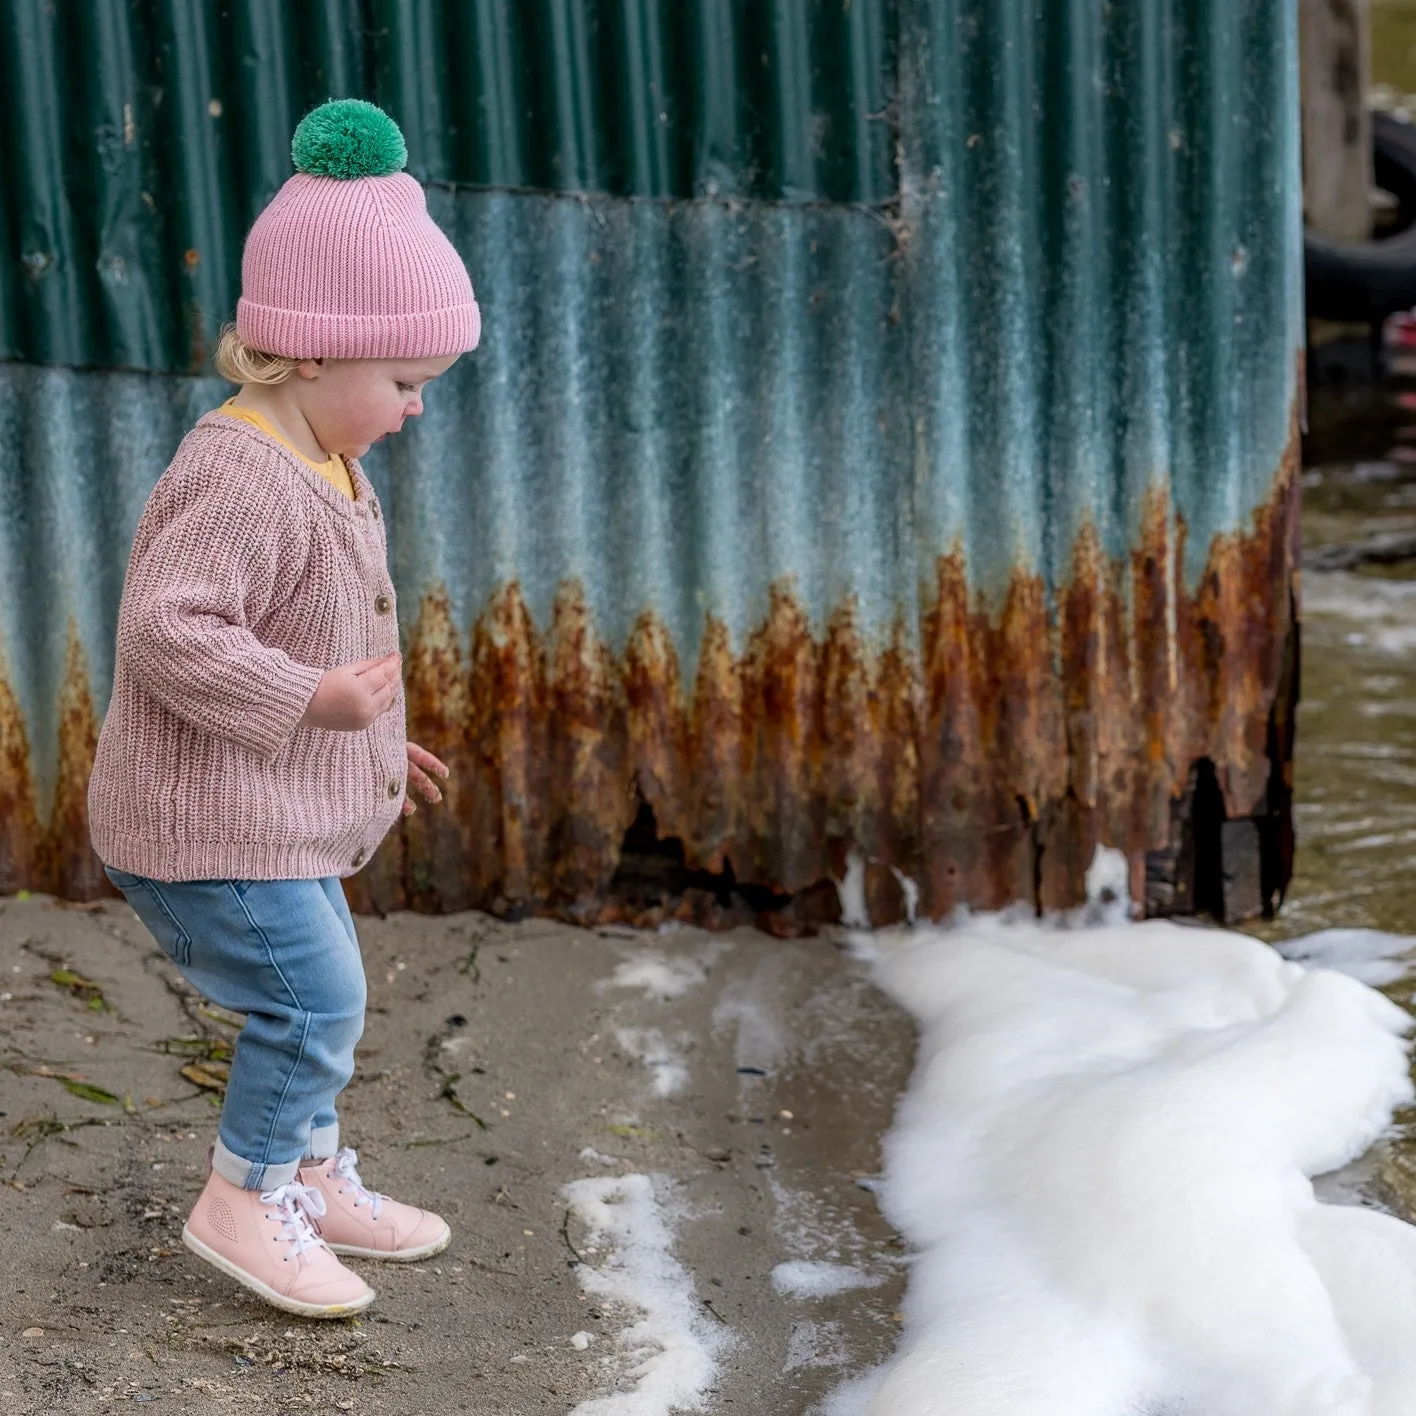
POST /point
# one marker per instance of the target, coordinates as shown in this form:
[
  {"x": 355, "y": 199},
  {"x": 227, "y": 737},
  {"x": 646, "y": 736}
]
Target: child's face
[{"x": 350, "y": 404}]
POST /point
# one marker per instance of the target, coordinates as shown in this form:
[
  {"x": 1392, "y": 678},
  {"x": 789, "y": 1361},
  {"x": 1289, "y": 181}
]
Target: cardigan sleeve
[{"x": 211, "y": 557}]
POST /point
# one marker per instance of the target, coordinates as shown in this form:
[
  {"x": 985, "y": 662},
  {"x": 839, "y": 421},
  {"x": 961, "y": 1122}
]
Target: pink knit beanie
[{"x": 345, "y": 262}]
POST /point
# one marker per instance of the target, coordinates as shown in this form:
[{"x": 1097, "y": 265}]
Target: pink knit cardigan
[{"x": 249, "y": 576}]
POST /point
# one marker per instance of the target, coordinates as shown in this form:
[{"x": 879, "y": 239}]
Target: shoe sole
[
  {"x": 278, "y": 1300},
  {"x": 398, "y": 1256}
]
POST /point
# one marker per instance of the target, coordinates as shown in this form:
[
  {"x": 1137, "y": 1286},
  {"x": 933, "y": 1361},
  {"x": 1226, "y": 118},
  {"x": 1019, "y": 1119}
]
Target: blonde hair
[{"x": 238, "y": 363}]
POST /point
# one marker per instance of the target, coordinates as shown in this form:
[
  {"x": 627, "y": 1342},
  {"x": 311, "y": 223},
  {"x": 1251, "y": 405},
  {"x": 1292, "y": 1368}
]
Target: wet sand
[{"x": 491, "y": 1061}]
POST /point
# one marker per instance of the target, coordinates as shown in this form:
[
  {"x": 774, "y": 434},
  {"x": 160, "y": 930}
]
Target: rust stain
[
  {"x": 508, "y": 727},
  {"x": 1094, "y": 680},
  {"x": 1252, "y": 581},
  {"x": 438, "y": 704},
  {"x": 19, "y": 824},
  {"x": 657, "y": 760},
  {"x": 780, "y": 827},
  {"x": 986, "y": 760},
  {"x": 588, "y": 802},
  {"x": 849, "y": 739},
  {"x": 868, "y": 758},
  {"x": 895, "y": 706},
  {"x": 716, "y": 787},
  {"x": 950, "y": 746},
  {"x": 990, "y": 747},
  {"x": 65, "y": 864}
]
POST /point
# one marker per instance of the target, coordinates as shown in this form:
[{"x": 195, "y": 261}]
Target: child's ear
[{"x": 309, "y": 368}]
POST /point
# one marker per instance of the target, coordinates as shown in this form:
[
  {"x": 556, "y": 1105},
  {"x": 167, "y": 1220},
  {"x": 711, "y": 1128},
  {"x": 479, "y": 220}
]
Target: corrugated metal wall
[
  {"x": 946, "y": 516},
  {"x": 144, "y": 136}
]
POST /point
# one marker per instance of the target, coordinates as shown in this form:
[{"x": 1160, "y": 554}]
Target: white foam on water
[
  {"x": 667, "y": 1359},
  {"x": 1108, "y": 880},
  {"x": 1103, "y": 1161},
  {"x": 910, "y": 888},
  {"x": 668, "y": 1070},
  {"x": 659, "y": 975},
  {"x": 1370, "y": 955},
  {"x": 820, "y": 1234},
  {"x": 808, "y": 1278},
  {"x": 854, "y": 912}
]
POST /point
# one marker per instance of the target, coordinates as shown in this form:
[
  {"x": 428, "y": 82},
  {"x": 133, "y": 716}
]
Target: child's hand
[
  {"x": 420, "y": 763},
  {"x": 350, "y": 697}
]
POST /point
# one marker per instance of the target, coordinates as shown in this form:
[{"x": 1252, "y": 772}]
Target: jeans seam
[
  {"x": 184, "y": 940},
  {"x": 266, "y": 945},
  {"x": 342, "y": 914},
  {"x": 284, "y": 1092},
  {"x": 304, "y": 1031}
]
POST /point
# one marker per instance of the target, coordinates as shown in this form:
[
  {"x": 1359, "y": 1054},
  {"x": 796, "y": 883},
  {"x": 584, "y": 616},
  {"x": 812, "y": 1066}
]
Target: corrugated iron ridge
[
  {"x": 1136, "y": 269},
  {"x": 720, "y": 97},
  {"x": 146, "y": 136}
]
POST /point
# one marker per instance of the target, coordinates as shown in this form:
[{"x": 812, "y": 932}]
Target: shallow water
[
  {"x": 1394, "y": 48},
  {"x": 1355, "y": 768},
  {"x": 1355, "y": 764},
  {"x": 1355, "y": 760}
]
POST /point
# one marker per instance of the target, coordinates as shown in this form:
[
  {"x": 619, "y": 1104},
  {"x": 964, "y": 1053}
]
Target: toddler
[{"x": 255, "y": 750}]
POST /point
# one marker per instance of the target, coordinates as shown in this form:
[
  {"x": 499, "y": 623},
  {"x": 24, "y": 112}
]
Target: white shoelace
[
  {"x": 290, "y": 1203},
  {"x": 343, "y": 1169}
]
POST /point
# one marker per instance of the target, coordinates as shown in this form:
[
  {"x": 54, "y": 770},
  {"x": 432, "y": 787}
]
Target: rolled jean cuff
[
  {"x": 247, "y": 1174},
  {"x": 324, "y": 1142}
]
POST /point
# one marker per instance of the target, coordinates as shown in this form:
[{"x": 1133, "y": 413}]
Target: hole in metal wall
[{"x": 652, "y": 873}]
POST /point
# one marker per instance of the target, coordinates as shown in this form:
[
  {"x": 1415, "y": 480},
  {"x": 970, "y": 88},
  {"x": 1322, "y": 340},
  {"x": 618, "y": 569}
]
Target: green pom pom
[{"x": 347, "y": 137}]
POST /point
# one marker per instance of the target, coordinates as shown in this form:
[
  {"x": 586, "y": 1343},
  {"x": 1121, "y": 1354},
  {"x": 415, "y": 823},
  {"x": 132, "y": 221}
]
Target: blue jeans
[{"x": 284, "y": 953}]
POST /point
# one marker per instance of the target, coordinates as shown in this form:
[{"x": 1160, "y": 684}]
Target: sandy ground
[{"x": 499, "y": 1064}]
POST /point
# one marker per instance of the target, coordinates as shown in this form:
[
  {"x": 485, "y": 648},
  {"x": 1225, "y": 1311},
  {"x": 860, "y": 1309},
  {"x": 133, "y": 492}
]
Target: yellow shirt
[{"x": 333, "y": 471}]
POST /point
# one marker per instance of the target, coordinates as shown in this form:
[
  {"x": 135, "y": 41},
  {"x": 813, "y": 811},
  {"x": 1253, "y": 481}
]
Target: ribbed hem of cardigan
[
  {"x": 297, "y": 334},
  {"x": 169, "y": 860}
]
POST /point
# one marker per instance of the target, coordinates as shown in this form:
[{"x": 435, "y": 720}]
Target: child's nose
[{"x": 414, "y": 406}]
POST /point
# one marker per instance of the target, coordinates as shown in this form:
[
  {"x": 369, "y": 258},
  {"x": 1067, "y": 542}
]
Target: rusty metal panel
[
  {"x": 1103, "y": 213},
  {"x": 957, "y": 532}
]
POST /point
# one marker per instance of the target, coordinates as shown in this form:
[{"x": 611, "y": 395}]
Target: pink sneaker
[
  {"x": 265, "y": 1241},
  {"x": 360, "y": 1221}
]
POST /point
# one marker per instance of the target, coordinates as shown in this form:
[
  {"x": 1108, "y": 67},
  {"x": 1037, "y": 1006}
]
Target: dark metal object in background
[{"x": 946, "y": 517}]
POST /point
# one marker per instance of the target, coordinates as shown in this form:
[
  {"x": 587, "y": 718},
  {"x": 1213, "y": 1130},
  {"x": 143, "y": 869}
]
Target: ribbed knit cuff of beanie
[{"x": 345, "y": 262}]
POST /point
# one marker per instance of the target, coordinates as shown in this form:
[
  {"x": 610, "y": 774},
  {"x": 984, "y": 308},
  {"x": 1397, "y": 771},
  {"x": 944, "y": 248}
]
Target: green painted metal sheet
[{"x": 143, "y": 136}]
